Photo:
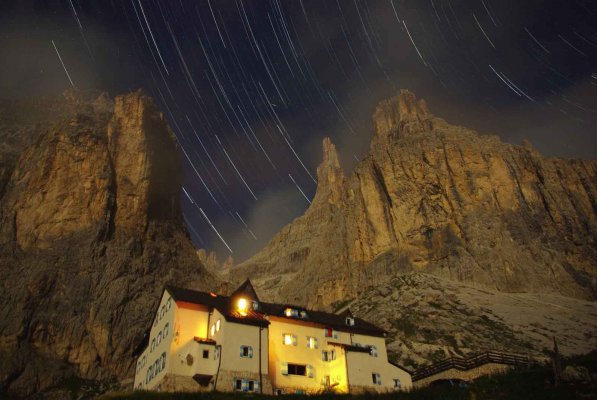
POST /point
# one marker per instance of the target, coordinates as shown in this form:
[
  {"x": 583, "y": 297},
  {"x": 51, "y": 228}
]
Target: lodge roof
[{"x": 260, "y": 316}]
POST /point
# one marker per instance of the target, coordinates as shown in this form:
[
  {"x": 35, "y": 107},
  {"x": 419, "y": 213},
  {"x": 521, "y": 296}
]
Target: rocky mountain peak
[
  {"x": 90, "y": 232},
  {"x": 399, "y": 116},
  {"x": 330, "y": 176}
]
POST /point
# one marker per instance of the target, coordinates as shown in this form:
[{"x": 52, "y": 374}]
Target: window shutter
[
  {"x": 256, "y": 386},
  {"x": 245, "y": 385},
  {"x": 378, "y": 378},
  {"x": 310, "y": 371},
  {"x": 324, "y": 355},
  {"x": 284, "y": 368},
  {"x": 250, "y": 352},
  {"x": 283, "y": 336},
  {"x": 316, "y": 342},
  {"x": 241, "y": 351},
  {"x": 294, "y": 340}
]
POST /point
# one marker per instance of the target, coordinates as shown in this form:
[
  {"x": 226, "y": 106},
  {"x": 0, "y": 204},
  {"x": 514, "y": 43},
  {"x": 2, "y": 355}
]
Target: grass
[{"x": 521, "y": 384}]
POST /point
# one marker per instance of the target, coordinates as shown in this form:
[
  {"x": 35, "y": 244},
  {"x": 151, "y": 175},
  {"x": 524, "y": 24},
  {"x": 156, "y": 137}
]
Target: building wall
[
  {"x": 361, "y": 366},
  {"x": 231, "y": 337},
  {"x": 153, "y": 363},
  {"x": 281, "y": 354}
]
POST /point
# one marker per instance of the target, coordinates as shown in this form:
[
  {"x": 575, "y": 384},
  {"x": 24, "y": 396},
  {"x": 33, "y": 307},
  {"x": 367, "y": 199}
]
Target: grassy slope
[{"x": 524, "y": 384}]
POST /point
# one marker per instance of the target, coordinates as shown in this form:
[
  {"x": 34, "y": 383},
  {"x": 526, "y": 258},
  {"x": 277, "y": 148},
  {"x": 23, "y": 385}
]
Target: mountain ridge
[{"x": 441, "y": 200}]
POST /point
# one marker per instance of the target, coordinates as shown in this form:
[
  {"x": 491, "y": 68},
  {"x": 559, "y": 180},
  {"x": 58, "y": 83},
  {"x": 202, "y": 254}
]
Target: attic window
[{"x": 349, "y": 321}]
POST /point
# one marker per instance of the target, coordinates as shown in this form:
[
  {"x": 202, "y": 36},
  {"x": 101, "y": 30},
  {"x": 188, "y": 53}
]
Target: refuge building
[{"x": 204, "y": 341}]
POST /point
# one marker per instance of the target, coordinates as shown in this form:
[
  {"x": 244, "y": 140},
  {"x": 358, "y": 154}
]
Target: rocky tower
[
  {"x": 90, "y": 231},
  {"x": 439, "y": 199}
]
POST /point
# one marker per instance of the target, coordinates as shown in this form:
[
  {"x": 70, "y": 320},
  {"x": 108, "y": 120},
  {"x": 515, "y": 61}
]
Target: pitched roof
[
  {"x": 259, "y": 317},
  {"x": 223, "y": 304}
]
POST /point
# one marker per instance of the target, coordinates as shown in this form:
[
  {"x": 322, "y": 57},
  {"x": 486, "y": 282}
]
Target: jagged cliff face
[
  {"x": 90, "y": 231},
  {"x": 436, "y": 199}
]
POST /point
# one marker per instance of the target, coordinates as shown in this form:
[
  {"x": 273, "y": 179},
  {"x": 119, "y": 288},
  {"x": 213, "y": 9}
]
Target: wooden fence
[{"x": 474, "y": 361}]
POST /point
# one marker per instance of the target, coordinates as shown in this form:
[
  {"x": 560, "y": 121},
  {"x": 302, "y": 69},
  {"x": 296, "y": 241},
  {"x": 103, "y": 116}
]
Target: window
[
  {"x": 159, "y": 339},
  {"x": 246, "y": 352},
  {"x": 376, "y": 378},
  {"x": 373, "y": 351},
  {"x": 329, "y": 332},
  {"x": 312, "y": 342},
  {"x": 218, "y": 325},
  {"x": 349, "y": 321},
  {"x": 326, "y": 381},
  {"x": 296, "y": 369},
  {"x": 152, "y": 344},
  {"x": 166, "y": 329},
  {"x": 205, "y": 353},
  {"x": 328, "y": 355},
  {"x": 245, "y": 385},
  {"x": 397, "y": 383},
  {"x": 216, "y": 353},
  {"x": 289, "y": 339},
  {"x": 212, "y": 329}
]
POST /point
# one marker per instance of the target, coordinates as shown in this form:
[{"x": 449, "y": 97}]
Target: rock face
[
  {"x": 437, "y": 199},
  {"x": 90, "y": 231}
]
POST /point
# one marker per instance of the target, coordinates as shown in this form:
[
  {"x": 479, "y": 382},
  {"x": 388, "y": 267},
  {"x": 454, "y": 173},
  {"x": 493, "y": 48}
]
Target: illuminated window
[
  {"x": 218, "y": 325},
  {"x": 242, "y": 306},
  {"x": 213, "y": 329},
  {"x": 289, "y": 339},
  {"x": 312, "y": 342}
]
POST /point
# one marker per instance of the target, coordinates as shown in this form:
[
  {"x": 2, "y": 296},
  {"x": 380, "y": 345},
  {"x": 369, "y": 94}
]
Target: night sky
[{"x": 250, "y": 88}]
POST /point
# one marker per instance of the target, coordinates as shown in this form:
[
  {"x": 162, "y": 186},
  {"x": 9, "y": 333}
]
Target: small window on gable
[
  {"x": 205, "y": 353},
  {"x": 246, "y": 352},
  {"x": 349, "y": 321}
]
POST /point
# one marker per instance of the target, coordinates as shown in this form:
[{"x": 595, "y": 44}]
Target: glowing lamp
[
  {"x": 288, "y": 312},
  {"x": 242, "y": 305}
]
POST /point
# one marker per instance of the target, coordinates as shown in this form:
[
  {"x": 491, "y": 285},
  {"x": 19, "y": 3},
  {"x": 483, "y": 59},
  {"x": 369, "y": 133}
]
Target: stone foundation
[{"x": 226, "y": 380}]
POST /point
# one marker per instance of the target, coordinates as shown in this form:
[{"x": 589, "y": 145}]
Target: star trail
[{"x": 250, "y": 88}]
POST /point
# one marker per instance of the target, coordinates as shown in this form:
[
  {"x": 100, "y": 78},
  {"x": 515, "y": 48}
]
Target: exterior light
[
  {"x": 242, "y": 305},
  {"x": 288, "y": 312}
]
